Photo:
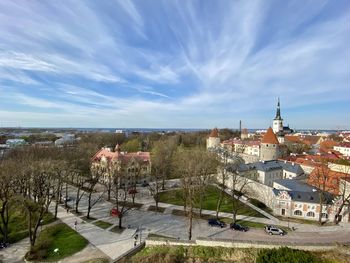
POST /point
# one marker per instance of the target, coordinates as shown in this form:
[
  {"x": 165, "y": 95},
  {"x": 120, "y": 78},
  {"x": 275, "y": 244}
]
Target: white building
[
  {"x": 268, "y": 172},
  {"x": 343, "y": 148},
  {"x": 213, "y": 140}
]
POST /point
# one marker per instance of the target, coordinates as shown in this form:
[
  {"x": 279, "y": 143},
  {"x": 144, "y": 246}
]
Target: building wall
[
  {"x": 253, "y": 189},
  {"x": 277, "y": 125},
  {"x": 249, "y": 158},
  {"x": 264, "y": 193},
  {"x": 213, "y": 142},
  {"x": 269, "y": 152},
  {"x": 339, "y": 168},
  {"x": 343, "y": 150},
  {"x": 131, "y": 173}
]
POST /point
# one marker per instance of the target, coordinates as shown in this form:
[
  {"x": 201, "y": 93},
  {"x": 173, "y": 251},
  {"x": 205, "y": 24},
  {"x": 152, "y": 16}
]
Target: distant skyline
[{"x": 182, "y": 64}]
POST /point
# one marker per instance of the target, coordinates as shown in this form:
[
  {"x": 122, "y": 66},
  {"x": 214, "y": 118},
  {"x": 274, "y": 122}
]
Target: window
[
  {"x": 310, "y": 214},
  {"x": 298, "y": 213},
  {"x": 324, "y": 215}
]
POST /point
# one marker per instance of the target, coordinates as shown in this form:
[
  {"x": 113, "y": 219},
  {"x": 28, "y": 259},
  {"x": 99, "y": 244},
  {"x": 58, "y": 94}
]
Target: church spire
[{"x": 278, "y": 111}]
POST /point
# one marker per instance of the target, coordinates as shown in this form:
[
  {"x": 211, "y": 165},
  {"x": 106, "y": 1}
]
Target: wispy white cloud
[{"x": 178, "y": 60}]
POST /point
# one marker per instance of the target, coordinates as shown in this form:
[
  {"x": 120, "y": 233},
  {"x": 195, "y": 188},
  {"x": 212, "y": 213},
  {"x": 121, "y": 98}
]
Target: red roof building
[
  {"x": 270, "y": 137},
  {"x": 136, "y": 166},
  {"x": 214, "y": 133}
]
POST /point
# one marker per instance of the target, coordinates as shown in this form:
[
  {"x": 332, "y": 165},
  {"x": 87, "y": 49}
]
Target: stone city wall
[
  {"x": 252, "y": 189},
  {"x": 210, "y": 242}
]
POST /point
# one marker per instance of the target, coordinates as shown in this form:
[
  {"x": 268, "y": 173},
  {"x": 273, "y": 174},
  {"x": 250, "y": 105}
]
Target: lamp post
[{"x": 140, "y": 233}]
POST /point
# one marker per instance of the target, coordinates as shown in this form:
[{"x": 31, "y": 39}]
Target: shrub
[{"x": 285, "y": 254}]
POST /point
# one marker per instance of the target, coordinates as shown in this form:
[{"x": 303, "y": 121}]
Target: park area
[
  {"x": 55, "y": 242},
  {"x": 211, "y": 196}
]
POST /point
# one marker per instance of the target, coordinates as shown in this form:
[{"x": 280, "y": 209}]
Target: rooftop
[
  {"x": 270, "y": 137},
  {"x": 307, "y": 197},
  {"x": 214, "y": 133},
  {"x": 295, "y": 185},
  {"x": 273, "y": 165}
]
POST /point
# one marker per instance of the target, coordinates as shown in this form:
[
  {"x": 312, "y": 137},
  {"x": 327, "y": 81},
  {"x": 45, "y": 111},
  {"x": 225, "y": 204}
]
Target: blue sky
[{"x": 188, "y": 64}]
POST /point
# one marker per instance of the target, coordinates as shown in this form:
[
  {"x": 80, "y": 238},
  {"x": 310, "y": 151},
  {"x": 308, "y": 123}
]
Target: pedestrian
[
  {"x": 67, "y": 210},
  {"x": 135, "y": 243},
  {"x": 75, "y": 224}
]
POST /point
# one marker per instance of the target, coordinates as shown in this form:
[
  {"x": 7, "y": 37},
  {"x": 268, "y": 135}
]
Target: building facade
[
  {"x": 134, "y": 168},
  {"x": 269, "y": 147},
  {"x": 213, "y": 140}
]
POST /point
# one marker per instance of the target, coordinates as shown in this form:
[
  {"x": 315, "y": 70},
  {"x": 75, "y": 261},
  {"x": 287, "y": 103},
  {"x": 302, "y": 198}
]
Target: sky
[{"x": 174, "y": 64}]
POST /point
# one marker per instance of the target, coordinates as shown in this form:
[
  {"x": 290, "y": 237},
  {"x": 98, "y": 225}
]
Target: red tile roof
[
  {"x": 270, "y": 137},
  {"x": 344, "y": 144},
  {"x": 322, "y": 175},
  {"x": 124, "y": 157},
  {"x": 214, "y": 133},
  {"x": 327, "y": 145},
  {"x": 292, "y": 138}
]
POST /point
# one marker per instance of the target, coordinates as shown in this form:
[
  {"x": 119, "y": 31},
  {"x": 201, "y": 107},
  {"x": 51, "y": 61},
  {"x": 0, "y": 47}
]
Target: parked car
[
  {"x": 216, "y": 222},
  {"x": 238, "y": 227},
  {"x": 144, "y": 184},
  {"x": 67, "y": 199},
  {"x": 3, "y": 245},
  {"x": 273, "y": 230}
]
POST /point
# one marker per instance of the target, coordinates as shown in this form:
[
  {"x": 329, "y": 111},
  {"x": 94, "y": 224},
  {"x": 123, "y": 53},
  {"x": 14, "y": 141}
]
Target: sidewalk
[
  {"x": 111, "y": 244},
  {"x": 268, "y": 221}
]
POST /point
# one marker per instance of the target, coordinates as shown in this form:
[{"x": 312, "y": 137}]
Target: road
[{"x": 167, "y": 224}]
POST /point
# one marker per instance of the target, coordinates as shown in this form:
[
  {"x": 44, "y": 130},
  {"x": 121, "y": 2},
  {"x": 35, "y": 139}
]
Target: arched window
[
  {"x": 310, "y": 214},
  {"x": 324, "y": 215},
  {"x": 298, "y": 213}
]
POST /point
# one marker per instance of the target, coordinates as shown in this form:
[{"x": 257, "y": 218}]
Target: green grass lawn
[
  {"x": 152, "y": 208},
  {"x": 102, "y": 224},
  {"x": 89, "y": 220},
  {"x": 118, "y": 230},
  {"x": 18, "y": 228},
  {"x": 58, "y": 236},
  {"x": 210, "y": 201}
]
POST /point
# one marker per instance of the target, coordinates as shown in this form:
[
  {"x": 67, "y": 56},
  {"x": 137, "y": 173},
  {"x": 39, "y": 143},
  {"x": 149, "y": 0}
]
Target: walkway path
[
  {"x": 271, "y": 220},
  {"x": 111, "y": 244},
  {"x": 15, "y": 252},
  {"x": 246, "y": 202}
]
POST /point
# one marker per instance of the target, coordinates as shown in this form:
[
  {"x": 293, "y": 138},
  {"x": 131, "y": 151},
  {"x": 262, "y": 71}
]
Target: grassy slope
[
  {"x": 58, "y": 236},
  {"x": 210, "y": 200},
  {"x": 18, "y": 228},
  {"x": 199, "y": 254},
  {"x": 102, "y": 224}
]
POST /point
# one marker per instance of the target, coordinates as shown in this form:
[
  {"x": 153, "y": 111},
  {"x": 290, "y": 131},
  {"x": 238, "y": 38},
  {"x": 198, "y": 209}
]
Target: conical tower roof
[
  {"x": 214, "y": 133},
  {"x": 270, "y": 137}
]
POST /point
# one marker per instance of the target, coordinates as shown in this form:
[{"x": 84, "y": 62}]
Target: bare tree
[
  {"x": 156, "y": 184},
  {"x": 343, "y": 199},
  {"x": 207, "y": 164},
  {"x": 120, "y": 190},
  {"x": 37, "y": 204},
  {"x": 221, "y": 180},
  {"x": 91, "y": 182},
  {"x": 187, "y": 164},
  {"x": 162, "y": 154},
  {"x": 320, "y": 178},
  {"x": 7, "y": 194}
]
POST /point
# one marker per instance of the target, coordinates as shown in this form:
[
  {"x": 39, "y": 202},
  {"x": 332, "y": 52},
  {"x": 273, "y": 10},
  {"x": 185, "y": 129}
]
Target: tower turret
[{"x": 278, "y": 121}]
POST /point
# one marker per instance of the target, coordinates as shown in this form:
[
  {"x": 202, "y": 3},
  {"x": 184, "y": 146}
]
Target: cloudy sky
[{"x": 188, "y": 64}]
